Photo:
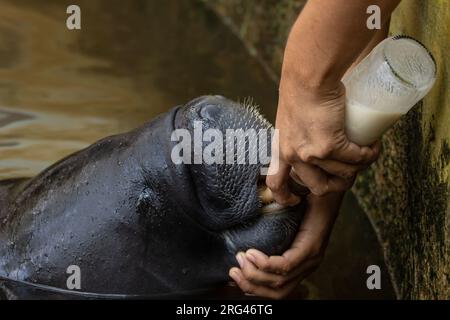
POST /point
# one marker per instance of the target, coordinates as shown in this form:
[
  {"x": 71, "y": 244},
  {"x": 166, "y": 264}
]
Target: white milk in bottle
[
  {"x": 365, "y": 125},
  {"x": 385, "y": 85}
]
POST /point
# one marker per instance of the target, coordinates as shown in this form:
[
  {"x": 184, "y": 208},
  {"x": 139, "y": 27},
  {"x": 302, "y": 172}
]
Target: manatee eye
[{"x": 143, "y": 202}]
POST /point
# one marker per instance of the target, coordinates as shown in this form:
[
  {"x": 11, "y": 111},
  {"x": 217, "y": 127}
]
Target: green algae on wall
[{"x": 406, "y": 194}]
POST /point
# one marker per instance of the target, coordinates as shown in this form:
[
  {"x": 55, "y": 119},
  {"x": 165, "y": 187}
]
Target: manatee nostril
[{"x": 210, "y": 111}]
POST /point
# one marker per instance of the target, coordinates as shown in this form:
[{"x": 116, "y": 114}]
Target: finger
[
  {"x": 352, "y": 153},
  {"x": 248, "y": 287},
  {"x": 259, "y": 277},
  {"x": 281, "y": 265},
  {"x": 339, "y": 169},
  {"x": 369, "y": 154},
  {"x": 319, "y": 182},
  {"x": 261, "y": 291},
  {"x": 278, "y": 184},
  {"x": 338, "y": 184},
  {"x": 312, "y": 177},
  {"x": 272, "y": 278}
]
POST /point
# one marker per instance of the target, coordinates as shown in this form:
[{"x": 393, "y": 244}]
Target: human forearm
[{"x": 328, "y": 37}]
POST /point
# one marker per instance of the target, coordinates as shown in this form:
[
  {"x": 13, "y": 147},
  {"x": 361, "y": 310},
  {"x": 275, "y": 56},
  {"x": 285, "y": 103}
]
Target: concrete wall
[{"x": 406, "y": 193}]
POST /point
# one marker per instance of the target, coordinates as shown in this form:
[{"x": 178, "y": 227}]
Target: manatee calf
[{"x": 135, "y": 222}]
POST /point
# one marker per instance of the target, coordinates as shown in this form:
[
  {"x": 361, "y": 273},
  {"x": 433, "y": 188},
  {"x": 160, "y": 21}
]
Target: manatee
[{"x": 135, "y": 222}]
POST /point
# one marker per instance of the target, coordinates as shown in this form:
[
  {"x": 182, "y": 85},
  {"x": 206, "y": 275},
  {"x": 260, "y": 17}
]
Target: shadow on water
[{"x": 61, "y": 90}]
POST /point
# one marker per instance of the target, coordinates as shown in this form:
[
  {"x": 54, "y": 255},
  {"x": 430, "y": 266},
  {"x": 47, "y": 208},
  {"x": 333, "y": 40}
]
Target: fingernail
[
  {"x": 240, "y": 259},
  {"x": 234, "y": 274}
]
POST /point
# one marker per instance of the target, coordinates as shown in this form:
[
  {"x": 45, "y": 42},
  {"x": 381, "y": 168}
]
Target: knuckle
[
  {"x": 321, "y": 151},
  {"x": 290, "y": 155},
  {"x": 305, "y": 155},
  {"x": 325, "y": 150}
]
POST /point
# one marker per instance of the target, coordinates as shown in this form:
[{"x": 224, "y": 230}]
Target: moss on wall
[{"x": 406, "y": 193}]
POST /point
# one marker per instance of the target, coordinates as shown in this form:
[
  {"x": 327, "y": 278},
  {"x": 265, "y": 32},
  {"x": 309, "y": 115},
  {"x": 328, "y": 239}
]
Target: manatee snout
[{"x": 231, "y": 193}]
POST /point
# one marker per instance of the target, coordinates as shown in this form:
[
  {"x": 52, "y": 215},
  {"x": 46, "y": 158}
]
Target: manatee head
[
  {"x": 125, "y": 207},
  {"x": 234, "y": 141}
]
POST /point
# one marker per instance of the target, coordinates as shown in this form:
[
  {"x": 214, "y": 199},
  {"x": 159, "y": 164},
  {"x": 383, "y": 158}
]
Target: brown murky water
[{"x": 61, "y": 90}]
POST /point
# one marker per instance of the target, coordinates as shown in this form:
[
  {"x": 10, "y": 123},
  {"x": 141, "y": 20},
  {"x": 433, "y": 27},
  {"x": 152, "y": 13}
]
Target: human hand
[
  {"x": 312, "y": 142},
  {"x": 277, "y": 276}
]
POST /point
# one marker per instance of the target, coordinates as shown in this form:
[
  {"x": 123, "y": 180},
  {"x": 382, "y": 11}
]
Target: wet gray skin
[{"x": 135, "y": 222}]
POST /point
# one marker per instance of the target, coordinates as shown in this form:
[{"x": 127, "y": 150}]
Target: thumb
[{"x": 277, "y": 182}]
